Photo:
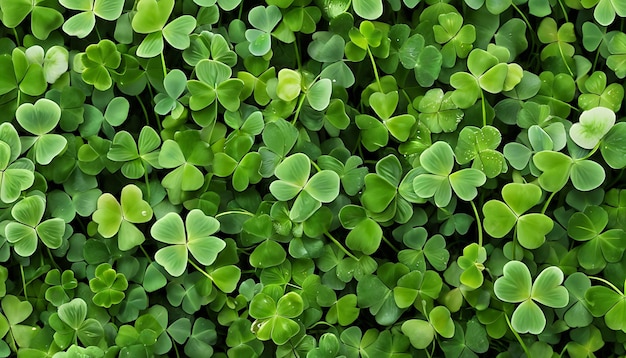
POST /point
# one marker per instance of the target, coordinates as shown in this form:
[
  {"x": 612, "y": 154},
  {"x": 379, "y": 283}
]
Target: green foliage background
[{"x": 312, "y": 178}]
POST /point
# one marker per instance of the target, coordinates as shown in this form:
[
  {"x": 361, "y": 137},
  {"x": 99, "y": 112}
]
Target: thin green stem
[
  {"x": 593, "y": 151},
  {"x": 17, "y": 38},
  {"x": 607, "y": 283},
  {"x": 482, "y": 99},
  {"x": 145, "y": 176},
  {"x": 297, "y": 52},
  {"x": 478, "y": 223},
  {"x": 145, "y": 112},
  {"x": 369, "y": 52},
  {"x": 23, "y": 281},
  {"x": 547, "y": 203},
  {"x": 298, "y": 109},
  {"x": 242, "y": 212},
  {"x": 564, "y": 11},
  {"x": 163, "y": 65},
  {"x": 317, "y": 167},
  {"x": 390, "y": 244},
  {"x": 519, "y": 339},
  {"x": 530, "y": 27},
  {"x": 145, "y": 253},
  {"x": 52, "y": 258},
  {"x": 340, "y": 246},
  {"x": 200, "y": 270}
]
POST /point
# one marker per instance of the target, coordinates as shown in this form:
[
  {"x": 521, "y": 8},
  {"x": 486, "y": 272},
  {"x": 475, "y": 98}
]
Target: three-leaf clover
[
  {"x": 557, "y": 168},
  {"x": 214, "y": 83},
  {"x": 293, "y": 180},
  {"x": 479, "y": 146},
  {"x": 263, "y": 19},
  {"x": 421, "y": 332},
  {"x": 194, "y": 236},
  {"x": 516, "y": 286},
  {"x": 39, "y": 119},
  {"x": 610, "y": 303},
  {"x": 70, "y": 323},
  {"x": 113, "y": 218},
  {"x": 97, "y": 62},
  {"x": 501, "y": 217},
  {"x": 81, "y": 24},
  {"x": 151, "y": 19},
  {"x": 16, "y": 175},
  {"x": 137, "y": 157},
  {"x": 28, "y": 227},
  {"x": 274, "y": 320},
  {"x": 440, "y": 181},
  {"x": 599, "y": 247}
]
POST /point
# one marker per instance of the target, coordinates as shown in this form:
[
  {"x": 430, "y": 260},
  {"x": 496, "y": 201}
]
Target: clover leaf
[
  {"x": 516, "y": 286},
  {"x": 599, "y": 247},
  {"x": 43, "y": 19},
  {"x": 472, "y": 263},
  {"x": 384, "y": 104},
  {"x": 456, "y": 38},
  {"x": 421, "y": 333},
  {"x": 184, "y": 154},
  {"x": 194, "y": 236},
  {"x": 592, "y": 126},
  {"x": 479, "y": 146},
  {"x": 151, "y": 19},
  {"x": 39, "y": 119},
  {"x": 81, "y": 24},
  {"x": 97, "y": 63},
  {"x": 28, "y": 227},
  {"x": 293, "y": 174},
  {"x": 138, "y": 157},
  {"x": 213, "y": 83},
  {"x": 366, "y": 234},
  {"x": 440, "y": 181},
  {"x": 62, "y": 285},
  {"x": 108, "y": 286},
  {"x": 605, "y": 10},
  {"x": 437, "y": 111},
  {"x": 264, "y": 19},
  {"x": 70, "y": 323},
  {"x": 115, "y": 218},
  {"x": 596, "y": 93},
  {"x": 611, "y": 304},
  {"x": 274, "y": 320},
  {"x": 557, "y": 168},
  {"x": 501, "y": 217},
  {"x": 15, "y": 175},
  {"x": 425, "y": 60}
]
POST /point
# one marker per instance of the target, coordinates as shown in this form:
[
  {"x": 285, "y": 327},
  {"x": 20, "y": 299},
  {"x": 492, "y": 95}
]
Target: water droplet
[{"x": 144, "y": 213}]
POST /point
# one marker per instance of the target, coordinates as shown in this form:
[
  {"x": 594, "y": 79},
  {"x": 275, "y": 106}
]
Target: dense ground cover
[{"x": 298, "y": 178}]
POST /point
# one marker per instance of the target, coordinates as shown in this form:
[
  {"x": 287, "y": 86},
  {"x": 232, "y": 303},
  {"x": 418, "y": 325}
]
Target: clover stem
[
  {"x": 593, "y": 151},
  {"x": 242, "y": 212},
  {"x": 607, "y": 283},
  {"x": 545, "y": 206},
  {"x": 294, "y": 286},
  {"x": 390, "y": 244},
  {"x": 340, "y": 246},
  {"x": 23, "y": 281},
  {"x": 478, "y": 223},
  {"x": 565, "y": 62},
  {"x": 298, "y": 109},
  {"x": 52, "y": 258},
  {"x": 519, "y": 339},
  {"x": 200, "y": 270},
  {"x": 369, "y": 52},
  {"x": 595, "y": 60},
  {"x": 98, "y": 33},
  {"x": 297, "y": 51},
  {"x": 530, "y": 28},
  {"x": 145, "y": 175},
  {"x": 144, "y": 110},
  {"x": 482, "y": 99},
  {"x": 17, "y": 38},
  {"x": 145, "y": 253},
  {"x": 163, "y": 65},
  {"x": 176, "y": 351},
  {"x": 317, "y": 167},
  {"x": 564, "y": 11}
]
